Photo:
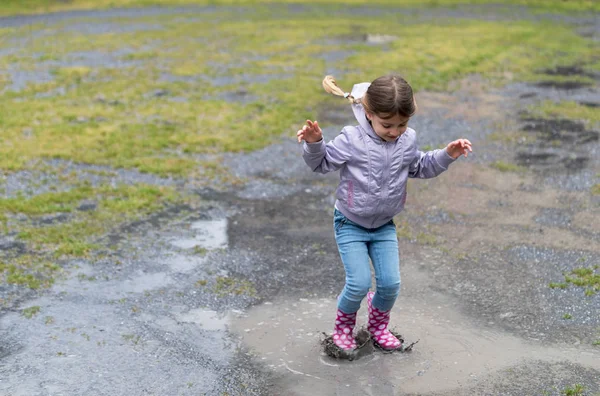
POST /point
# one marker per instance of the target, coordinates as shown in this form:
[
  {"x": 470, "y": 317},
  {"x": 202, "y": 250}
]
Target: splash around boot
[{"x": 375, "y": 159}]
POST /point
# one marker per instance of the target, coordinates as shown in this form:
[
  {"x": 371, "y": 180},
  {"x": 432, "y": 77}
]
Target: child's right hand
[{"x": 310, "y": 132}]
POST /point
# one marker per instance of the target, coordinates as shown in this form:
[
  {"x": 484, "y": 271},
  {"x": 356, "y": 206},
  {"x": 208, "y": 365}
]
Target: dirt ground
[{"x": 232, "y": 296}]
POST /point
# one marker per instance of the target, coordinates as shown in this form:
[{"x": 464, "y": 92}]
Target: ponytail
[{"x": 330, "y": 85}]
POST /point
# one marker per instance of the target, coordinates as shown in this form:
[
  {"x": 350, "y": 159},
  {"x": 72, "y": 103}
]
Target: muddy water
[{"x": 451, "y": 353}]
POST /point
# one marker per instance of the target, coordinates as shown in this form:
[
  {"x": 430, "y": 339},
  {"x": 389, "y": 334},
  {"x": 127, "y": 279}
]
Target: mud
[
  {"x": 574, "y": 70},
  {"x": 566, "y": 85},
  {"x": 560, "y": 145},
  {"x": 364, "y": 346}
]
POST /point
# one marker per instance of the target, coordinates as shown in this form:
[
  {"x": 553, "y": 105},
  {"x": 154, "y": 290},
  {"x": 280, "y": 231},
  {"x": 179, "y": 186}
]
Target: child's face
[{"x": 389, "y": 129}]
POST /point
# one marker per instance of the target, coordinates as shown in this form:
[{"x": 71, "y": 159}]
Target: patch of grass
[
  {"x": 134, "y": 339},
  {"x": 200, "y": 251},
  {"x": 112, "y": 116},
  {"x": 201, "y": 282},
  {"x": 227, "y": 286},
  {"x": 403, "y": 229},
  {"x": 46, "y": 203},
  {"x": 596, "y": 189},
  {"x": 116, "y": 205},
  {"x": 508, "y": 137},
  {"x": 596, "y": 343},
  {"x": 554, "y": 285},
  {"x": 41, "y": 6},
  {"x": 28, "y": 270},
  {"x": 567, "y": 109},
  {"x": 573, "y": 390},
  {"x": 31, "y": 311},
  {"x": 507, "y": 167},
  {"x": 586, "y": 278},
  {"x": 426, "y": 239},
  {"x": 567, "y": 316},
  {"x": 84, "y": 277}
]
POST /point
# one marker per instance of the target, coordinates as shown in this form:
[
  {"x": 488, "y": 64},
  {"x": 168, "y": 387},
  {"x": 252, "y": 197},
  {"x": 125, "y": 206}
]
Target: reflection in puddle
[
  {"x": 209, "y": 234},
  {"x": 181, "y": 263},
  {"x": 208, "y": 320},
  {"x": 145, "y": 282}
]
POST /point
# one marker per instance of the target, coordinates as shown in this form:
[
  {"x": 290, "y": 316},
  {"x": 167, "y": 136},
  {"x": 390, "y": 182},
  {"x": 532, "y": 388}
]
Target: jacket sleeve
[
  {"x": 324, "y": 158},
  {"x": 429, "y": 164}
]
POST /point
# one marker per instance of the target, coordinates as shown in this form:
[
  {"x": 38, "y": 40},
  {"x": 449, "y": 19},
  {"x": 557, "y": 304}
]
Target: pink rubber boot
[
  {"x": 378, "y": 323},
  {"x": 342, "y": 331}
]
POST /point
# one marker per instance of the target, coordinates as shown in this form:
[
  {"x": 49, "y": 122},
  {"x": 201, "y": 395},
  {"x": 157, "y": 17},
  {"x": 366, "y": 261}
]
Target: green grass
[
  {"x": 507, "y": 167},
  {"x": 111, "y": 117},
  {"x": 75, "y": 238},
  {"x": 554, "y": 285},
  {"x": 569, "y": 110},
  {"x": 586, "y": 278},
  {"x": 227, "y": 286},
  {"x": 31, "y": 312},
  {"x": 574, "y": 390},
  {"x": 28, "y": 271},
  {"x": 115, "y": 206},
  {"x": 38, "y": 6}
]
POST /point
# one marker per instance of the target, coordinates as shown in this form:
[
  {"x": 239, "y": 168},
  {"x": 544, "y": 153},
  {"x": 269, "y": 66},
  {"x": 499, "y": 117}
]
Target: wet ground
[{"x": 230, "y": 296}]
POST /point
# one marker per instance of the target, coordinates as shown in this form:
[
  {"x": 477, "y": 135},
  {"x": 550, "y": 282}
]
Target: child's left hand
[{"x": 459, "y": 147}]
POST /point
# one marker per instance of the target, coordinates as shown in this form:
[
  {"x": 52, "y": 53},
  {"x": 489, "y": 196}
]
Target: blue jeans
[{"x": 356, "y": 245}]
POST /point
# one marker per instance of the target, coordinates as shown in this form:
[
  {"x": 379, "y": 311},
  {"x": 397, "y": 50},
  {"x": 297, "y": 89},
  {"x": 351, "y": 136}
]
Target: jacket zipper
[{"x": 384, "y": 184}]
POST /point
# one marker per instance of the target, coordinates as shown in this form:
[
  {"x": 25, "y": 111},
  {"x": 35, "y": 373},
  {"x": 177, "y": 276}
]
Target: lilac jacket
[{"x": 373, "y": 172}]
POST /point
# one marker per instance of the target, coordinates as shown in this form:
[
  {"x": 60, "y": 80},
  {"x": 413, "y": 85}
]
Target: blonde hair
[
  {"x": 386, "y": 96},
  {"x": 331, "y": 87}
]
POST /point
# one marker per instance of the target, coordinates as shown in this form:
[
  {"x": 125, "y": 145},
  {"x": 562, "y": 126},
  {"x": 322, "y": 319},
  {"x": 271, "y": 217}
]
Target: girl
[{"x": 375, "y": 159}]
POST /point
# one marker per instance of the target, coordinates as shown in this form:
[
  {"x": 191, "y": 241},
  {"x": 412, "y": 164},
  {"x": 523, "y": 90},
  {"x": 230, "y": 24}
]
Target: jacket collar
[{"x": 358, "y": 91}]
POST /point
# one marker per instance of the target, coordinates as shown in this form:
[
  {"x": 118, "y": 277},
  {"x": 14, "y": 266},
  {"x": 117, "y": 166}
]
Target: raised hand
[
  {"x": 310, "y": 132},
  {"x": 459, "y": 147}
]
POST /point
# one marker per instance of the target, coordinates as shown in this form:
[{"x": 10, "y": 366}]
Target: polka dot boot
[
  {"x": 378, "y": 323},
  {"x": 342, "y": 332}
]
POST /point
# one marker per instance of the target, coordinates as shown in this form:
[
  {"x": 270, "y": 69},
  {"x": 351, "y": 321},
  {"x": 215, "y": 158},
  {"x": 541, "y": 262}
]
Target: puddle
[
  {"x": 237, "y": 79},
  {"x": 238, "y": 96},
  {"x": 562, "y": 144},
  {"x": 380, "y": 38},
  {"x": 21, "y": 78},
  {"x": 566, "y": 85},
  {"x": 168, "y": 77},
  {"x": 210, "y": 234},
  {"x": 87, "y": 280},
  {"x": 207, "y": 319},
  {"x": 336, "y": 56},
  {"x": 551, "y": 161},
  {"x": 181, "y": 263},
  {"x": 141, "y": 283},
  {"x": 93, "y": 27},
  {"x": 561, "y": 130},
  {"x": 590, "y": 104},
  {"x": 573, "y": 70},
  {"x": 451, "y": 352}
]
